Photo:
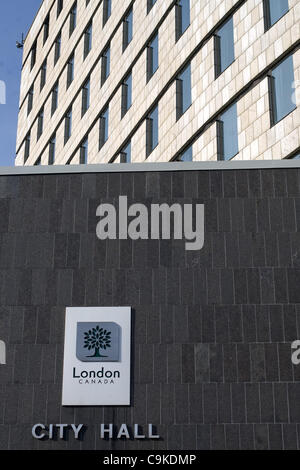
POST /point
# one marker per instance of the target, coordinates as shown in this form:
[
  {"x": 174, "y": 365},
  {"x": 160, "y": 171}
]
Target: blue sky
[{"x": 16, "y": 17}]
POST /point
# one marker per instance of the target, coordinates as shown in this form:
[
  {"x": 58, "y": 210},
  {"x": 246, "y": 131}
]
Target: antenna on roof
[{"x": 20, "y": 44}]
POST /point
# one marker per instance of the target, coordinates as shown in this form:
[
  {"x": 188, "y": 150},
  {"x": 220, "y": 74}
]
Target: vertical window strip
[
  {"x": 33, "y": 55},
  {"x": 150, "y": 4},
  {"x": 52, "y": 144},
  {"x": 40, "y": 123},
  {"x": 87, "y": 40},
  {"x": 57, "y": 48},
  {"x": 60, "y": 5},
  {"x": 126, "y": 95},
  {"x": 151, "y": 131},
  {"x": 54, "y": 99},
  {"x": 43, "y": 74},
  {"x": 46, "y": 29},
  {"x": 182, "y": 18},
  {"x": 281, "y": 83},
  {"x": 85, "y": 97},
  {"x": 83, "y": 152},
  {"x": 27, "y": 147},
  {"x": 103, "y": 127},
  {"x": 152, "y": 57},
  {"x": 127, "y": 29},
  {"x": 224, "y": 47},
  {"x": 68, "y": 126},
  {"x": 183, "y": 92},
  {"x": 73, "y": 18},
  {"x": 30, "y": 100},
  {"x": 70, "y": 70},
  {"x": 106, "y": 11},
  {"x": 227, "y": 134},
  {"x": 125, "y": 155},
  {"x": 105, "y": 65}
]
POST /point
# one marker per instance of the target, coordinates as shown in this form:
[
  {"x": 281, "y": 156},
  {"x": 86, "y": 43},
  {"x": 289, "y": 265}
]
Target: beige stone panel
[
  {"x": 138, "y": 144},
  {"x": 205, "y": 147}
]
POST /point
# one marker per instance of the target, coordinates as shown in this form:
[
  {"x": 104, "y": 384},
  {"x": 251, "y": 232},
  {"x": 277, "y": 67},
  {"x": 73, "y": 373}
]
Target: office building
[{"x": 157, "y": 81}]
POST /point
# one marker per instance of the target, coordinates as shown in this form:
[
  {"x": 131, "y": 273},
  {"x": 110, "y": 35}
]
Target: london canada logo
[
  {"x": 97, "y": 338},
  {"x": 97, "y": 342}
]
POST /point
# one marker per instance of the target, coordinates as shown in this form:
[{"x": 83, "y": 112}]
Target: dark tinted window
[
  {"x": 224, "y": 47},
  {"x": 282, "y": 90},
  {"x": 183, "y": 92},
  {"x": 228, "y": 134},
  {"x": 274, "y": 10}
]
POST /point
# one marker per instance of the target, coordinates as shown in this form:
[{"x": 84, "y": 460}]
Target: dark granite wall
[{"x": 212, "y": 329}]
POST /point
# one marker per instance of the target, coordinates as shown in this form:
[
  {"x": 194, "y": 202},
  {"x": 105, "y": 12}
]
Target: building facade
[{"x": 160, "y": 80}]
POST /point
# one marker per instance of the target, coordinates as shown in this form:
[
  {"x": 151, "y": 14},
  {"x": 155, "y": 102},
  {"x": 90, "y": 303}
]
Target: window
[
  {"x": 152, "y": 57},
  {"x": 228, "y": 134},
  {"x": 60, "y": 5},
  {"x": 38, "y": 162},
  {"x": 182, "y": 17},
  {"x": 87, "y": 2},
  {"x": 87, "y": 40},
  {"x": 103, "y": 127},
  {"x": 33, "y": 55},
  {"x": 105, "y": 65},
  {"x": 43, "y": 74},
  {"x": 85, "y": 97},
  {"x": 183, "y": 92},
  {"x": 30, "y": 99},
  {"x": 125, "y": 155},
  {"x": 281, "y": 83},
  {"x": 151, "y": 131},
  {"x": 40, "y": 123},
  {"x": 83, "y": 152},
  {"x": 187, "y": 155},
  {"x": 46, "y": 29},
  {"x": 295, "y": 157},
  {"x": 57, "y": 48},
  {"x": 126, "y": 95},
  {"x": 54, "y": 99},
  {"x": 150, "y": 4},
  {"x": 51, "y": 157},
  {"x": 73, "y": 18},
  {"x": 224, "y": 47},
  {"x": 68, "y": 125},
  {"x": 273, "y": 11},
  {"x": 106, "y": 10},
  {"x": 70, "y": 70},
  {"x": 27, "y": 147},
  {"x": 127, "y": 29}
]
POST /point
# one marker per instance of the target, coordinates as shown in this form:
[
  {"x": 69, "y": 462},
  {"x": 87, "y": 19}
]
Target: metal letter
[
  {"x": 150, "y": 432},
  {"x": 34, "y": 429},
  {"x": 109, "y": 431}
]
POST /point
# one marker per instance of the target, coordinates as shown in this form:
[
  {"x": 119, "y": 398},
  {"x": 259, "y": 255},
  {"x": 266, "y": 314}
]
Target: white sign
[{"x": 97, "y": 356}]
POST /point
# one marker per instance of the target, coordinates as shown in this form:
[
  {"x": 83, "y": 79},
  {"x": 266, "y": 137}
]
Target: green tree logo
[{"x": 97, "y": 338}]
